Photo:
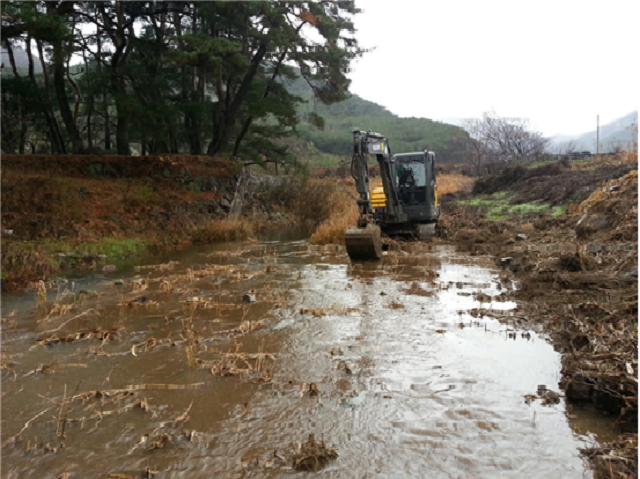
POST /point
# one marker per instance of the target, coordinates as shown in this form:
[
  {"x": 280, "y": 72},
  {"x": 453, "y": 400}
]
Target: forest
[
  {"x": 252, "y": 80},
  {"x": 168, "y": 77}
]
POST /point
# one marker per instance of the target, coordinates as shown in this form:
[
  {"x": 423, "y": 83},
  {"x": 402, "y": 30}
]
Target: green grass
[
  {"x": 111, "y": 247},
  {"x": 527, "y": 208},
  {"x": 559, "y": 210},
  {"x": 490, "y": 203},
  {"x": 536, "y": 164},
  {"x": 498, "y": 206}
]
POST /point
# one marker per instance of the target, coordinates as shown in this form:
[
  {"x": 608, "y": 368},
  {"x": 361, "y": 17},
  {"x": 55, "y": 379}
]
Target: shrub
[{"x": 223, "y": 230}]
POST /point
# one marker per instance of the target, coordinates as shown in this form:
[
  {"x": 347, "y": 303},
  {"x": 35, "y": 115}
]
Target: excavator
[{"x": 407, "y": 203}]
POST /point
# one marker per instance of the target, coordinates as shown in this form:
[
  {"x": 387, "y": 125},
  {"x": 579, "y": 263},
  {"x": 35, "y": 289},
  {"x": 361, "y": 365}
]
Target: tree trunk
[
  {"x": 267, "y": 89},
  {"x": 122, "y": 124},
  {"x": 221, "y": 134},
  {"x": 118, "y": 87},
  {"x": 105, "y": 102},
  {"x": 54, "y": 133},
  {"x": 90, "y": 103},
  {"x": 63, "y": 101}
]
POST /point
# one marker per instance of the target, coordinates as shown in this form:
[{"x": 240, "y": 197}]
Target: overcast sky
[{"x": 559, "y": 63}]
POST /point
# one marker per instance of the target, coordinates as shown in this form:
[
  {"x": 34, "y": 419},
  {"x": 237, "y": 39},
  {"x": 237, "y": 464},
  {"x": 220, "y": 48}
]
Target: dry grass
[
  {"x": 316, "y": 200},
  {"x": 602, "y": 160},
  {"x": 450, "y": 183},
  {"x": 344, "y": 213},
  {"x": 223, "y": 230}
]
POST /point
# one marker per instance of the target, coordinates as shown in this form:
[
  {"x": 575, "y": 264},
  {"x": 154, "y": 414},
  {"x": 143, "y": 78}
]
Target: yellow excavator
[{"x": 407, "y": 203}]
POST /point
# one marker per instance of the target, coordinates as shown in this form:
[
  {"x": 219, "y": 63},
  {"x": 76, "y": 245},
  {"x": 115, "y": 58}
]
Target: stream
[{"x": 273, "y": 359}]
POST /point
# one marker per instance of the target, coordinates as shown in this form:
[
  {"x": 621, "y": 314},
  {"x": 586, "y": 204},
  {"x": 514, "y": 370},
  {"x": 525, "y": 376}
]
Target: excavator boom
[{"x": 364, "y": 241}]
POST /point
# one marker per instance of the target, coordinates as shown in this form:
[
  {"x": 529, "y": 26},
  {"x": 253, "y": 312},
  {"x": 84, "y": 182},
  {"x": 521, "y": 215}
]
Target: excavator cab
[{"x": 416, "y": 180}]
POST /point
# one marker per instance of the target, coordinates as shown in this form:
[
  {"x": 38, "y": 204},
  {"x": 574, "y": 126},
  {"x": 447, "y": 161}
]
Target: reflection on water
[{"x": 206, "y": 367}]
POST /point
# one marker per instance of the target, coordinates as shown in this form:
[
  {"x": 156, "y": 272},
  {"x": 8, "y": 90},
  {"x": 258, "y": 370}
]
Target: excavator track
[{"x": 363, "y": 244}]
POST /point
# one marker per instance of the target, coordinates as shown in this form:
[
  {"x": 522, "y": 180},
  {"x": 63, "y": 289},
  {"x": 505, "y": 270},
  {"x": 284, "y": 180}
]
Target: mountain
[
  {"x": 404, "y": 134},
  {"x": 620, "y": 133}
]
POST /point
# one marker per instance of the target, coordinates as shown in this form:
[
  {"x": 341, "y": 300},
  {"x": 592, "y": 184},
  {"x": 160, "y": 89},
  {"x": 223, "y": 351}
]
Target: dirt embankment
[
  {"x": 61, "y": 212},
  {"x": 578, "y": 276}
]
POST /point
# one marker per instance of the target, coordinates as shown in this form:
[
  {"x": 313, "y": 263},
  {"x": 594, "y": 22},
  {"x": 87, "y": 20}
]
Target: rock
[
  {"x": 109, "y": 268},
  {"x": 249, "y": 298},
  {"x": 521, "y": 237},
  {"x": 225, "y": 203}
]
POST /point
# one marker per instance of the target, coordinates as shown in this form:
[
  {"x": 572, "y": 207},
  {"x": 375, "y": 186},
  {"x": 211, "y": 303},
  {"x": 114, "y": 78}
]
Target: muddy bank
[
  {"x": 85, "y": 212},
  {"x": 577, "y": 276}
]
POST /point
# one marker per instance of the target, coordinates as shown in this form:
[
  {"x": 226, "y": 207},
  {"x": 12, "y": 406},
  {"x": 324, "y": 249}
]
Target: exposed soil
[
  {"x": 577, "y": 272},
  {"x": 578, "y": 276}
]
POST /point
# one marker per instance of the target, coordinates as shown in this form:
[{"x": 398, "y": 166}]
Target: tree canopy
[{"x": 170, "y": 77}]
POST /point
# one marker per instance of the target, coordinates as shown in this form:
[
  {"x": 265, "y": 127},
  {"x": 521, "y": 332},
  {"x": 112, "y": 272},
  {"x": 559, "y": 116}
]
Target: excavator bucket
[{"x": 363, "y": 244}]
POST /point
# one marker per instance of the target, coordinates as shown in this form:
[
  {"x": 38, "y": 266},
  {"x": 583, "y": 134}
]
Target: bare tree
[
  {"x": 477, "y": 145},
  {"x": 502, "y": 138},
  {"x": 567, "y": 147}
]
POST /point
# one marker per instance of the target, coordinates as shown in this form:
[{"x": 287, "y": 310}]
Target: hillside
[
  {"x": 620, "y": 133},
  {"x": 405, "y": 134}
]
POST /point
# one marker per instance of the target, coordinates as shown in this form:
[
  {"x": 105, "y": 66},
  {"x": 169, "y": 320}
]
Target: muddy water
[{"x": 167, "y": 369}]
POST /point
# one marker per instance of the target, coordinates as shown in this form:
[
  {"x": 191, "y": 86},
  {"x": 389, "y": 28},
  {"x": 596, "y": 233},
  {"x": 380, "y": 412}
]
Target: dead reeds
[
  {"x": 224, "y": 230},
  {"x": 247, "y": 366},
  {"x": 312, "y": 455}
]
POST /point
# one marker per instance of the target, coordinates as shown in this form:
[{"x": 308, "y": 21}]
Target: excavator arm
[
  {"x": 364, "y": 241},
  {"x": 366, "y": 143}
]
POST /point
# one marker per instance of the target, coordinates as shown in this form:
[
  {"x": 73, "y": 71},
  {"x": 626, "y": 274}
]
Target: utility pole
[{"x": 597, "y": 134}]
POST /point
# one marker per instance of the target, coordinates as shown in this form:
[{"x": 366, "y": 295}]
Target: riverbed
[{"x": 280, "y": 358}]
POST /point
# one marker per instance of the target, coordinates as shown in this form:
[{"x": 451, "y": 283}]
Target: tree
[
  {"x": 567, "y": 147},
  {"x": 477, "y": 143},
  {"x": 24, "y": 23},
  {"x": 175, "y": 76},
  {"x": 267, "y": 37},
  {"x": 502, "y": 138}
]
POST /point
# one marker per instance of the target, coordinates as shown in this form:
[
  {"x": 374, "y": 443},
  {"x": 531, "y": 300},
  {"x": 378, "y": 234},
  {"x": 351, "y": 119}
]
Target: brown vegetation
[{"x": 224, "y": 230}]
